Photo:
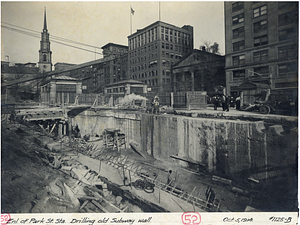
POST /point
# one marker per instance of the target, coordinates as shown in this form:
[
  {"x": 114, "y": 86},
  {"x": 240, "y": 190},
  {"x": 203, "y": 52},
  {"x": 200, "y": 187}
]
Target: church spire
[
  {"x": 45, "y": 54},
  {"x": 45, "y": 22}
]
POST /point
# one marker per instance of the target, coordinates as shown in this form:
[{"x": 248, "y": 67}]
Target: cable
[
  {"x": 54, "y": 37},
  {"x": 59, "y": 42}
]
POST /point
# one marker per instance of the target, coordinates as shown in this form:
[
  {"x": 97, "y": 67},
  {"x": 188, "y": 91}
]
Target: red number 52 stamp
[
  {"x": 5, "y": 218},
  {"x": 191, "y": 218}
]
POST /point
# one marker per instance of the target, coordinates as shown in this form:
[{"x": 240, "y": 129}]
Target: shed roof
[
  {"x": 252, "y": 86},
  {"x": 130, "y": 81}
]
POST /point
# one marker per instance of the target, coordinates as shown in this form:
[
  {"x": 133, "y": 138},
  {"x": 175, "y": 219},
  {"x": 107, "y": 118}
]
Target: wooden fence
[{"x": 179, "y": 100}]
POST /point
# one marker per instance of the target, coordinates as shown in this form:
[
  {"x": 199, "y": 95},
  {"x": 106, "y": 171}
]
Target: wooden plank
[
  {"x": 191, "y": 194},
  {"x": 100, "y": 206},
  {"x": 106, "y": 201},
  {"x": 187, "y": 160},
  {"x": 84, "y": 204},
  {"x": 135, "y": 146}
]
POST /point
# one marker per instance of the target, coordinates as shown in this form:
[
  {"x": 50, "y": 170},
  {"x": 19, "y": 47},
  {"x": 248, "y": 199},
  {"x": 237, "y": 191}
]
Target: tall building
[
  {"x": 152, "y": 51},
  {"x": 261, "y": 41},
  {"x": 45, "y": 54},
  {"x": 116, "y": 69}
]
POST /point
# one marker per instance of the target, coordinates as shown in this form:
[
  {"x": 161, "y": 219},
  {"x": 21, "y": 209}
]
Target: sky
[{"x": 99, "y": 22}]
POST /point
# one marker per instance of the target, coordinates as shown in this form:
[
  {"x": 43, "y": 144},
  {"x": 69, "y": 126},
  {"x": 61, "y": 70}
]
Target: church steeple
[
  {"x": 45, "y": 55},
  {"x": 45, "y": 21}
]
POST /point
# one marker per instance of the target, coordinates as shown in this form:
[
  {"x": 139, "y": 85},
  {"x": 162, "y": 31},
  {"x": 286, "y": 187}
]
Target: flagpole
[
  {"x": 159, "y": 11},
  {"x": 130, "y": 20}
]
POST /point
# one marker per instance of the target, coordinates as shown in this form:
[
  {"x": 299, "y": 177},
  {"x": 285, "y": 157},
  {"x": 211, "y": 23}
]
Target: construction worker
[
  {"x": 171, "y": 178},
  {"x": 155, "y": 104}
]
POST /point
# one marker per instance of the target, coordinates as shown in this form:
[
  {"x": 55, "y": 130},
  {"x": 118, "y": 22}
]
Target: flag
[{"x": 132, "y": 11}]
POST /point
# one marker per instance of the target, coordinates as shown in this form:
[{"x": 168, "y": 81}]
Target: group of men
[{"x": 221, "y": 100}]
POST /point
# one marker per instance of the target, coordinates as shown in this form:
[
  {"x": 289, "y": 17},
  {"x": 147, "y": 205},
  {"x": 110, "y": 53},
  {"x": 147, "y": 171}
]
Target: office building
[
  {"x": 261, "y": 41},
  {"x": 153, "y": 49}
]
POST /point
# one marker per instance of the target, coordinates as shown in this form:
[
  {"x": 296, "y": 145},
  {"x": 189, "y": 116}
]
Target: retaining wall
[{"x": 228, "y": 147}]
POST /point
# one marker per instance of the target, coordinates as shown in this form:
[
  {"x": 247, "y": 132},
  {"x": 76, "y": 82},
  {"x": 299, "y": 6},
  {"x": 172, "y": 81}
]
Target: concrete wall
[{"x": 229, "y": 147}]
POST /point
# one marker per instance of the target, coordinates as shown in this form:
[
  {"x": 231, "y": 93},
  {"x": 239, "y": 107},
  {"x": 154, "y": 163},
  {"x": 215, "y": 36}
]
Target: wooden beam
[
  {"x": 53, "y": 128},
  {"x": 100, "y": 206}
]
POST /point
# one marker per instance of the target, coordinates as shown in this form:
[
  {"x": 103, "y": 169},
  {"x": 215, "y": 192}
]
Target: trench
[{"x": 219, "y": 164}]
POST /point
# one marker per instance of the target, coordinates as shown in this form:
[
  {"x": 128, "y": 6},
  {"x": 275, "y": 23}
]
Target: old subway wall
[{"x": 226, "y": 147}]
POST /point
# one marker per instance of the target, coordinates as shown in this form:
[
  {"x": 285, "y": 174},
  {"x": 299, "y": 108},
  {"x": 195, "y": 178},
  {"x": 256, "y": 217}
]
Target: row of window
[
  {"x": 152, "y": 73},
  {"x": 152, "y": 47},
  {"x": 284, "y": 52},
  {"x": 263, "y": 39},
  {"x": 142, "y": 39},
  {"x": 151, "y": 35},
  {"x": 281, "y": 5},
  {"x": 176, "y": 33},
  {"x": 185, "y": 41},
  {"x": 257, "y": 27},
  {"x": 257, "y": 41},
  {"x": 165, "y": 63},
  {"x": 283, "y": 19},
  {"x": 283, "y": 70},
  {"x": 143, "y": 59},
  {"x": 120, "y": 50}
]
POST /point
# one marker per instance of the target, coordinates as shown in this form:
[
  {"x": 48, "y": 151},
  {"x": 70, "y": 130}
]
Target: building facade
[
  {"x": 45, "y": 54},
  {"x": 153, "y": 49},
  {"x": 198, "y": 71},
  {"x": 115, "y": 70},
  {"x": 261, "y": 44},
  {"x": 61, "y": 90}
]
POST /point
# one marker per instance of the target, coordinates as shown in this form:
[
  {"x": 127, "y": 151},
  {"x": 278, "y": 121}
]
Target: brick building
[
  {"x": 261, "y": 41},
  {"x": 116, "y": 69}
]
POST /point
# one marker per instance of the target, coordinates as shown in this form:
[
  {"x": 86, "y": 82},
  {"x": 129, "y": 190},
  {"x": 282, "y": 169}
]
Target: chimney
[{"x": 203, "y": 49}]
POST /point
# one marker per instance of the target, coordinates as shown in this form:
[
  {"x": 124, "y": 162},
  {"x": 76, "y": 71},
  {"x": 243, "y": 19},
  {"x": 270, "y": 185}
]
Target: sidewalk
[{"x": 209, "y": 112}]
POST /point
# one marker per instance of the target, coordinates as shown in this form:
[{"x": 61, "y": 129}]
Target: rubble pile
[{"x": 63, "y": 186}]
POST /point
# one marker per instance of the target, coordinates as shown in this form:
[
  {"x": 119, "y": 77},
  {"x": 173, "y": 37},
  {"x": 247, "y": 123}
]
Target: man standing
[{"x": 155, "y": 104}]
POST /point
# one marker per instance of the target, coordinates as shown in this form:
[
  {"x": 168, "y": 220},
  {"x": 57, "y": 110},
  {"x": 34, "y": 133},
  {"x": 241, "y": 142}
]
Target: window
[
  {"x": 262, "y": 10},
  {"x": 287, "y": 18},
  {"x": 288, "y": 51},
  {"x": 162, "y": 37},
  {"x": 238, "y": 73},
  {"x": 261, "y": 71},
  {"x": 287, "y": 34},
  {"x": 260, "y": 56},
  {"x": 238, "y": 19},
  {"x": 238, "y": 60},
  {"x": 284, "y": 69},
  {"x": 237, "y": 6},
  {"x": 261, "y": 40},
  {"x": 44, "y": 57},
  {"x": 238, "y": 45},
  {"x": 239, "y": 32},
  {"x": 260, "y": 26}
]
